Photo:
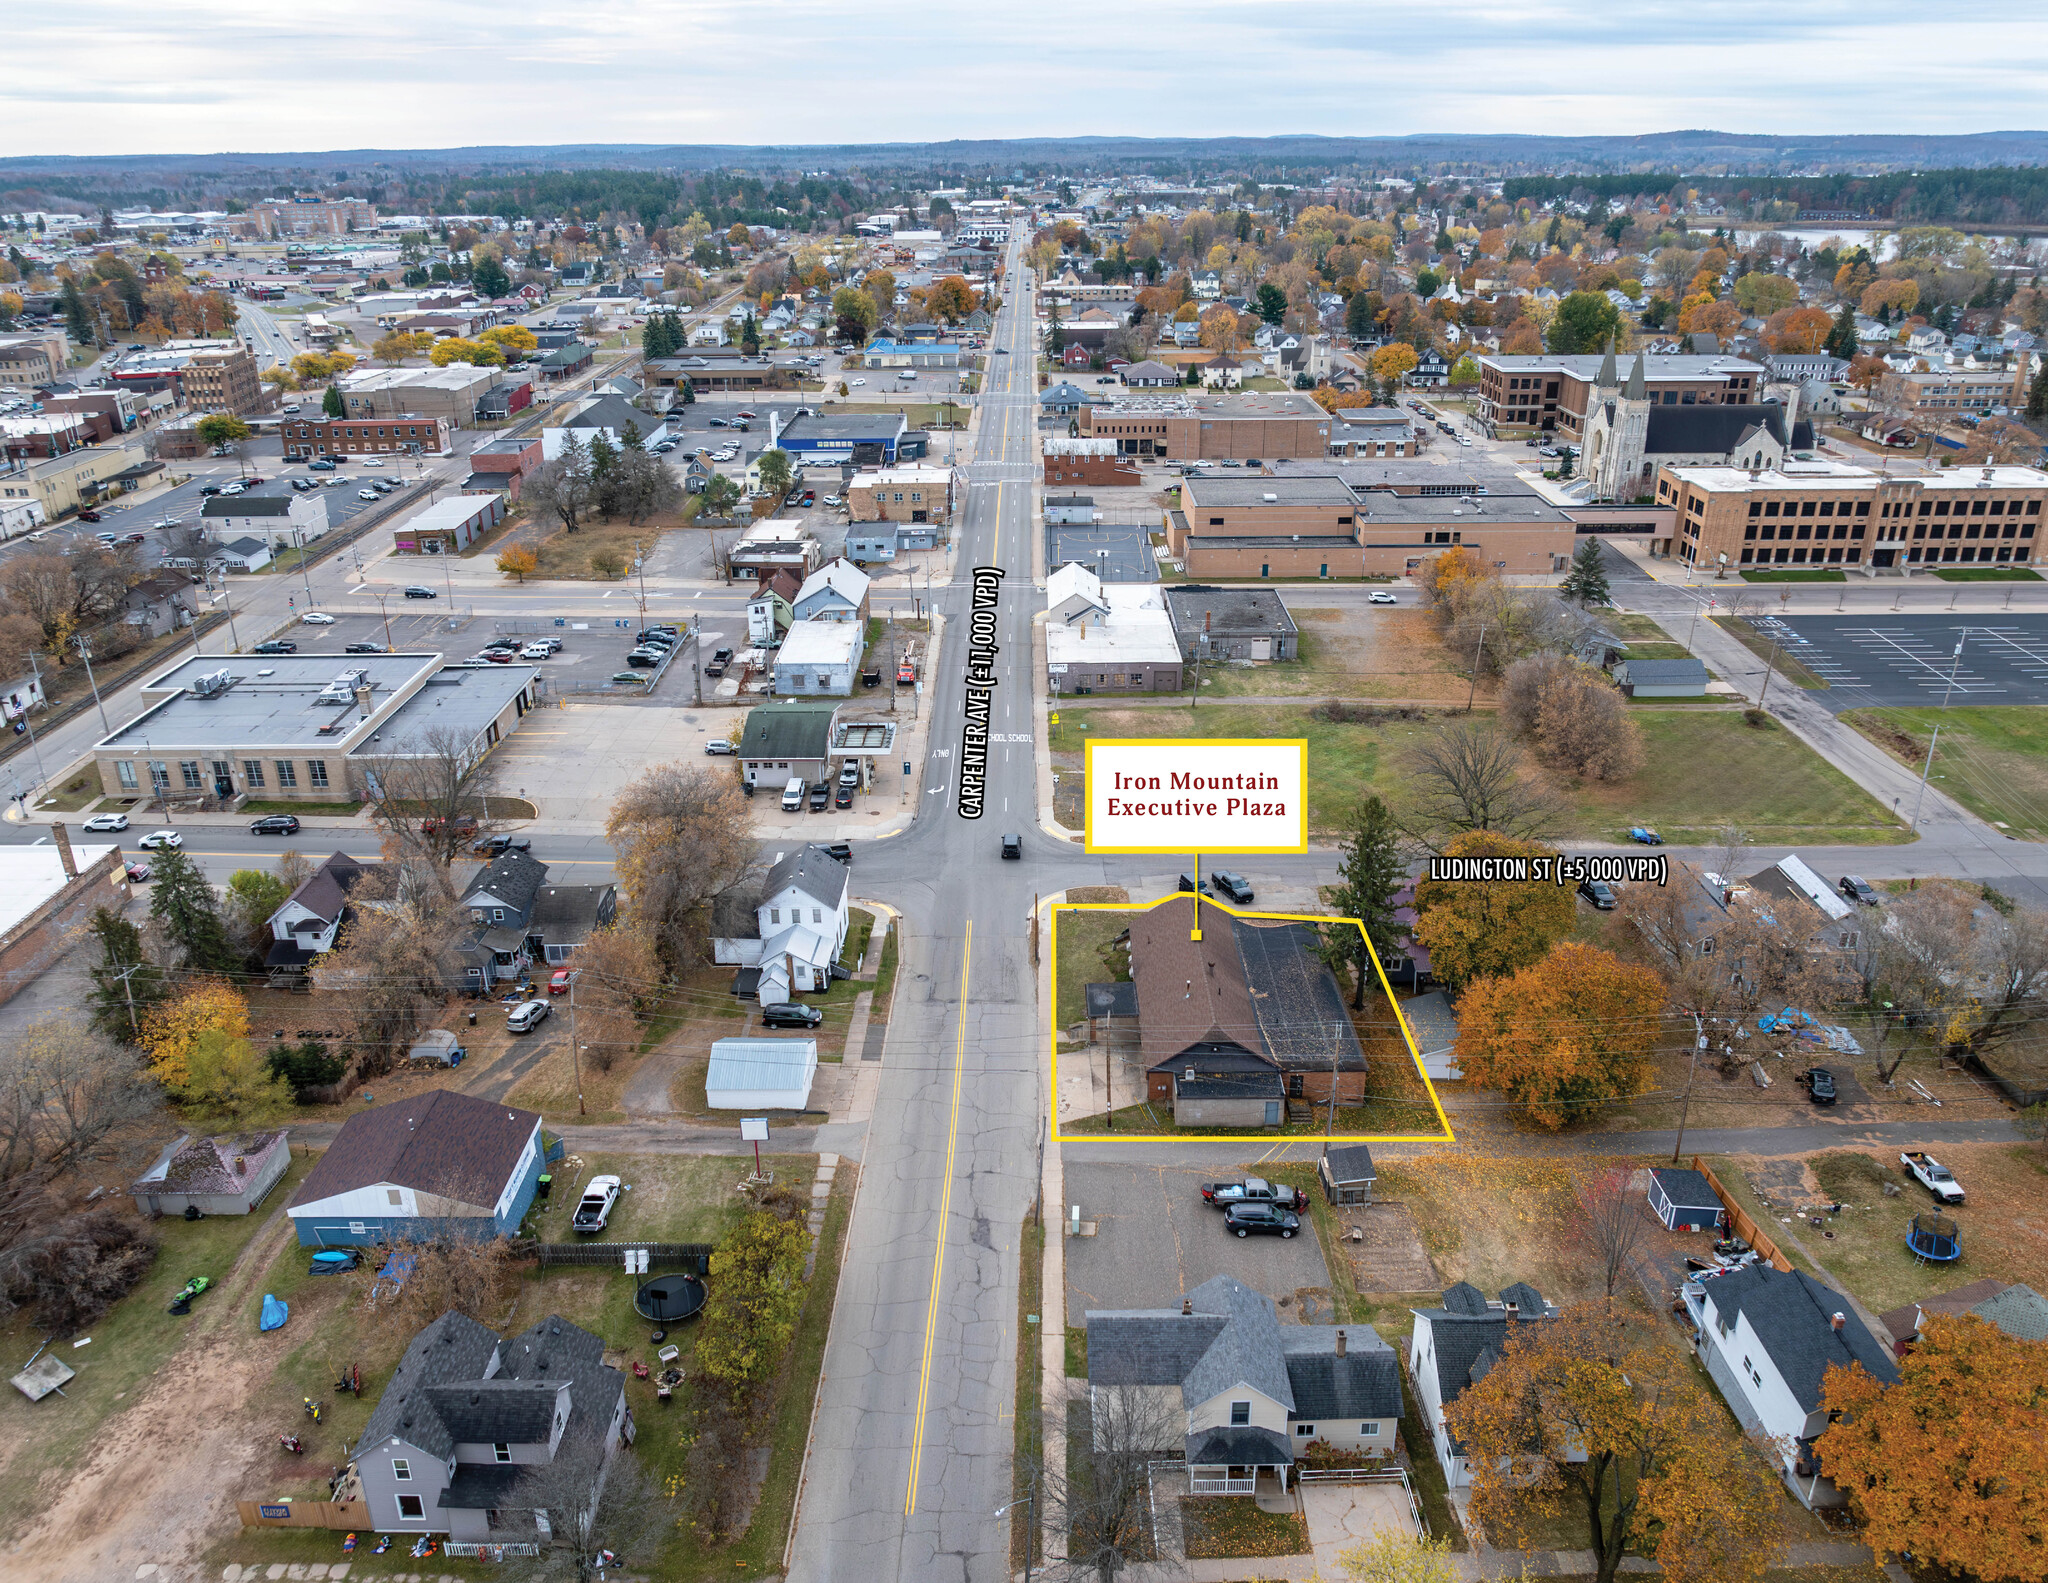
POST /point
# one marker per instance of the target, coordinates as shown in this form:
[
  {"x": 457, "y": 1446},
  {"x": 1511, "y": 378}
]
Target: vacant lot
[
  {"x": 1993, "y": 759},
  {"x": 1702, "y": 770},
  {"x": 1362, "y": 652}
]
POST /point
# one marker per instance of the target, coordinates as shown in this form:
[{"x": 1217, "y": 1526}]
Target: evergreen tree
[
  {"x": 2037, "y": 396},
  {"x": 182, "y": 902},
  {"x": 1586, "y": 582},
  {"x": 689, "y": 393},
  {"x": 126, "y": 983},
  {"x": 750, "y": 337},
  {"x": 1564, "y": 466},
  {"x": 602, "y": 454},
  {"x": 1841, "y": 341},
  {"x": 489, "y": 278},
  {"x": 331, "y": 403},
  {"x": 77, "y": 315},
  {"x": 1369, "y": 875}
]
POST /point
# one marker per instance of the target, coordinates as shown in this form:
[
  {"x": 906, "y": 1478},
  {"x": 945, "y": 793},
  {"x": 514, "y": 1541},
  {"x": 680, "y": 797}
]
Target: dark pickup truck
[{"x": 1253, "y": 1190}]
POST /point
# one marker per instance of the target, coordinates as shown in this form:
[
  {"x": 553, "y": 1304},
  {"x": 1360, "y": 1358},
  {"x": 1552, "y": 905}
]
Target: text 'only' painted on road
[{"x": 1198, "y": 795}]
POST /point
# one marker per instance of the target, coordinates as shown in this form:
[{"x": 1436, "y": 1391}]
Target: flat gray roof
[
  {"x": 1380, "y": 507},
  {"x": 458, "y": 701},
  {"x": 846, "y": 426},
  {"x": 1287, "y": 490},
  {"x": 273, "y": 702}
]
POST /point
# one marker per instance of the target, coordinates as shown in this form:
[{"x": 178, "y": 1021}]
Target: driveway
[{"x": 1155, "y": 1239}]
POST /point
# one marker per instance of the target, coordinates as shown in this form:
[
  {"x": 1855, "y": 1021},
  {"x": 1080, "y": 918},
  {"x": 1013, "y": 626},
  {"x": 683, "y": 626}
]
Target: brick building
[
  {"x": 1318, "y": 526},
  {"x": 411, "y": 433},
  {"x": 1829, "y": 514},
  {"x": 224, "y": 380},
  {"x": 1214, "y": 426},
  {"x": 451, "y": 393},
  {"x": 1090, "y": 464},
  {"x": 48, "y": 895},
  {"x": 1959, "y": 390},
  {"x": 902, "y": 494},
  {"x": 1519, "y": 395},
  {"x": 33, "y": 357},
  {"x": 502, "y": 464}
]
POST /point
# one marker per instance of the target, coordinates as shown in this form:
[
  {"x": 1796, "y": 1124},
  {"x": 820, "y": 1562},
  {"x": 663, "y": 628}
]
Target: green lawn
[
  {"x": 1992, "y": 758},
  {"x": 1797, "y": 574},
  {"x": 1986, "y": 574},
  {"x": 1083, "y": 939},
  {"x": 1703, "y": 770}
]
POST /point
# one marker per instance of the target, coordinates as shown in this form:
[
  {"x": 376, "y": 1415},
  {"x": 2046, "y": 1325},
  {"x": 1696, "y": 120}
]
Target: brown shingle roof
[
  {"x": 440, "y": 1142},
  {"x": 1189, "y": 992}
]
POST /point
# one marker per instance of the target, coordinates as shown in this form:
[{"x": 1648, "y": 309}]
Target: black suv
[
  {"x": 276, "y": 824},
  {"x": 419, "y": 591},
  {"x": 1235, "y": 886},
  {"x": 1599, "y": 893},
  {"x": 1244, "y": 1219},
  {"x": 1859, "y": 889},
  {"x": 1819, "y": 1084},
  {"x": 789, "y": 1014}
]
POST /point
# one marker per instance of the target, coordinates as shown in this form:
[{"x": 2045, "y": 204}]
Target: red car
[{"x": 559, "y": 984}]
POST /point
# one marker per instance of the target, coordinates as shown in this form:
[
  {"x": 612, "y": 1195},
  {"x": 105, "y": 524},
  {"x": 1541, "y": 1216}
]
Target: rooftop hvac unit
[{"x": 213, "y": 683}]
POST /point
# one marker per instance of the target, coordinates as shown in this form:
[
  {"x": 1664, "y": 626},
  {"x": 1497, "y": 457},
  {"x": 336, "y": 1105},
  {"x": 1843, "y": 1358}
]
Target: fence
[
  {"x": 1370, "y": 1476},
  {"x": 304, "y": 1514},
  {"x": 1742, "y": 1223},
  {"x": 693, "y": 1257},
  {"x": 488, "y": 1552}
]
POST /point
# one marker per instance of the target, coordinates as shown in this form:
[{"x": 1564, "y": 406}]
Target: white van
[
  {"x": 906, "y": 373},
  {"x": 793, "y": 795}
]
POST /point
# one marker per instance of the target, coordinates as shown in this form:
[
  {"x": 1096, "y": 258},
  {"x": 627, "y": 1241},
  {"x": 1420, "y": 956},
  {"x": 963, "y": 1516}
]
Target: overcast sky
[{"x": 172, "y": 76}]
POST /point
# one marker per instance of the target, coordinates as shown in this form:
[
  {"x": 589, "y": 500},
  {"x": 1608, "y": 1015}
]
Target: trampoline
[
  {"x": 668, "y": 1299},
  {"x": 1934, "y": 1239}
]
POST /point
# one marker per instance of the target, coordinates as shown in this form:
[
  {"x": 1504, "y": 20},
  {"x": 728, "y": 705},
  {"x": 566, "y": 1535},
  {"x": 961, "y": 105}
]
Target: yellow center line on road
[{"x": 931, "y": 1318}]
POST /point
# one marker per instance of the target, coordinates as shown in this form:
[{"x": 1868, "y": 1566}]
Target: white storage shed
[{"x": 760, "y": 1074}]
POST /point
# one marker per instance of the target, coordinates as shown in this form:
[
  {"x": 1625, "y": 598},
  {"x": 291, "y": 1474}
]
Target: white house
[
  {"x": 836, "y": 591},
  {"x": 760, "y": 1074},
  {"x": 279, "y": 520},
  {"x": 1109, "y": 637},
  {"x": 792, "y": 929},
  {"x": 819, "y": 657},
  {"x": 19, "y": 516},
  {"x": 1767, "y": 1336},
  {"x": 245, "y": 555},
  {"x": 311, "y": 917},
  {"x": 609, "y": 415},
  {"x": 1455, "y": 1346}
]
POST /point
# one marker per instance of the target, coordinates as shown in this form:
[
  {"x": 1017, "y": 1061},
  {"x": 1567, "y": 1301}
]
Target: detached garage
[
  {"x": 1684, "y": 1200},
  {"x": 761, "y": 1074}
]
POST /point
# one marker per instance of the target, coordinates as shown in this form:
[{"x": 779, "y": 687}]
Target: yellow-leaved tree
[
  {"x": 172, "y": 1029},
  {"x": 1479, "y": 929}
]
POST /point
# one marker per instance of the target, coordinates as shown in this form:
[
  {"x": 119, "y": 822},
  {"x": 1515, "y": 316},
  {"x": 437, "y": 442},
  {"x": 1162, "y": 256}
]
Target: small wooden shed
[
  {"x": 1347, "y": 1174},
  {"x": 1684, "y": 1200}
]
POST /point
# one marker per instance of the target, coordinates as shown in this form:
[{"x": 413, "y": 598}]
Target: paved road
[{"x": 912, "y": 1445}]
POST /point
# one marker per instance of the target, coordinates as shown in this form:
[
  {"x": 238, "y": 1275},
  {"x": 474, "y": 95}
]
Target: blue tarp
[{"x": 274, "y": 1315}]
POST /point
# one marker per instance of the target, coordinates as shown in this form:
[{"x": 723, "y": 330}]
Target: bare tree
[
  {"x": 565, "y": 488},
  {"x": 1574, "y": 713},
  {"x": 1102, "y": 1498},
  {"x": 68, "y": 1095},
  {"x": 1730, "y": 852},
  {"x": 294, "y": 868},
  {"x": 190, "y": 541},
  {"x": 1469, "y": 777},
  {"x": 682, "y": 837},
  {"x": 1612, "y": 1222},
  {"x": 431, "y": 795},
  {"x": 595, "y": 1504},
  {"x": 1954, "y": 964},
  {"x": 386, "y": 968}
]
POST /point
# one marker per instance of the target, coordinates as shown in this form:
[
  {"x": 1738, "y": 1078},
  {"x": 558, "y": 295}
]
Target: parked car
[
  {"x": 631, "y": 676},
  {"x": 600, "y": 1193},
  {"x": 1858, "y": 889},
  {"x": 1013, "y": 847},
  {"x": 791, "y": 1014},
  {"x": 317, "y": 618},
  {"x": 839, "y": 850},
  {"x": 363, "y": 648},
  {"x": 161, "y": 839},
  {"x": 1599, "y": 893},
  {"x": 366, "y": 494},
  {"x": 646, "y": 658},
  {"x": 1194, "y": 883},
  {"x": 843, "y": 797},
  {"x": 718, "y": 747},
  {"x": 418, "y": 591},
  {"x": 90, "y": 516},
  {"x": 821, "y": 794},
  {"x": 1379, "y": 596},
  {"x": 321, "y": 466},
  {"x": 536, "y": 651},
  {"x": 1244, "y": 1219},
  {"x": 1819, "y": 1084},
  {"x": 527, "y": 1015},
  {"x": 559, "y": 983},
  {"x": 276, "y": 824},
  {"x": 494, "y": 844},
  {"x": 139, "y": 873},
  {"x": 1234, "y": 886},
  {"x": 1253, "y": 1190},
  {"x": 106, "y": 821},
  {"x": 463, "y": 825},
  {"x": 276, "y": 646}
]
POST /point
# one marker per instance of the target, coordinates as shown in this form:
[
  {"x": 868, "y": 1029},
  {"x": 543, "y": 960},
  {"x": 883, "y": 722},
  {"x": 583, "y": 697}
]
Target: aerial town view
[{"x": 1010, "y": 823}]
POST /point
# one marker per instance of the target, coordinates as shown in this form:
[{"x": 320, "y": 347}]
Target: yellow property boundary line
[{"x": 1415, "y": 1055}]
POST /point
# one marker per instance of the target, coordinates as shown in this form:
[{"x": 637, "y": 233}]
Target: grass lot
[
  {"x": 1028, "y": 1430},
  {"x": 1788, "y": 669},
  {"x": 1343, "y": 654},
  {"x": 1986, "y": 574},
  {"x": 324, "y": 810},
  {"x": 1224, "y": 1527},
  {"x": 1993, "y": 759},
  {"x": 1084, "y": 939},
  {"x": 566, "y": 556},
  {"x": 1646, "y": 639},
  {"x": 1797, "y": 574},
  {"x": 1703, "y": 770},
  {"x": 129, "y": 1345}
]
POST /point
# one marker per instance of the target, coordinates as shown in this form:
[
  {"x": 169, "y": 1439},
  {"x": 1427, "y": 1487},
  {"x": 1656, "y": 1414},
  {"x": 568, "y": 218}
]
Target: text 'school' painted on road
[
  {"x": 981, "y": 690},
  {"x": 1570, "y": 869}
]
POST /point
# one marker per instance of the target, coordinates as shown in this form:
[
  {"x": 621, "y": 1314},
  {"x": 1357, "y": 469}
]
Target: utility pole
[
  {"x": 1336, "y": 1050},
  {"x": 28, "y": 719},
  {"x": 1769, "y": 666},
  {"x": 1925, "y": 771},
  {"x": 134, "y": 1027},
  {"x": 1478, "y": 649},
  {"x": 385, "y": 613},
  {"x": 85, "y": 652},
  {"x": 575, "y": 1049},
  {"x": 1699, "y": 1043}
]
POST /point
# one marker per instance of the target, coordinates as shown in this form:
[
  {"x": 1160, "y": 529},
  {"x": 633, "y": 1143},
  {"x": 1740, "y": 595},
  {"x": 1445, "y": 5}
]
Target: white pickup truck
[{"x": 1932, "y": 1175}]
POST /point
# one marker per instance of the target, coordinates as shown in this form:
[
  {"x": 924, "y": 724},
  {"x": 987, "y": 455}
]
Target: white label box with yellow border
[{"x": 1198, "y": 794}]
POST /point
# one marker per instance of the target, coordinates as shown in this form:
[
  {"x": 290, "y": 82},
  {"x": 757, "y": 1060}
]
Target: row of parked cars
[{"x": 650, "y": 652}]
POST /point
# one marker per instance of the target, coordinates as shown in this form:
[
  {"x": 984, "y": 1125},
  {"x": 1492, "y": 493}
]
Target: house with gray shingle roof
[
  {"x": 1456, "y": 1345},
  {"x": 1238, "y": 1393},
  {"x": 1767, "y": 1338},
  {"x": 216, "y": 1176},
  {"x": 789, "y": 929},
  {"x": 467, "y": 1416}
]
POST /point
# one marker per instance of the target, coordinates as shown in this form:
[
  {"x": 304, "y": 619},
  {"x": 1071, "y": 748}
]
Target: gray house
[
  {"x": 1232, "y": 623},
  {"x": 871, "y": 541},
  {"x": 1069, "y": 509},
  {"x": 466, "y": 1415},
  {"x": 518, "y": 919},
  {"x": 216, "y": 1176},
  {"x": 1238, "y": 1393},
  {"x": 1662, "y": 678}
]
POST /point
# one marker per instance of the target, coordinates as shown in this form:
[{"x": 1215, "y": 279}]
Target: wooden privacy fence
[
  {"x": 695, "y": 1257},
  {"x": 1742, "y": 1223},
  {"x": 304, "y": 1514}
]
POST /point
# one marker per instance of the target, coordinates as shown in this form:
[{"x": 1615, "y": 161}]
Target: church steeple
[
  {"x": 1637, "y": 390},
  {"x": 1608, "y": 379}
]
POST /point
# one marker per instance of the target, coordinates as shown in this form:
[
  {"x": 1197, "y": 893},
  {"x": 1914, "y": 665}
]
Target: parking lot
[
  {"x": 1115, "y": 552},
  {"x": 1156, "y": 1238},
  {"x": 1904, "y": 660},
  {"x": 594, "y": 649}
]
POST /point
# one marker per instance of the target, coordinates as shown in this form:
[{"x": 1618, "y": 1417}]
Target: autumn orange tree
[
  {"x": 1795, "y": 330},
  {"x": 516, "y": 560},
  {"x": 1951, "y": 1462},
  {"x": 1478, "y": 929},
  {"x": 173, "y": 1029},
  {"x": 1586, "y": 1417},
  {"x": 1573, "y": 1030}
]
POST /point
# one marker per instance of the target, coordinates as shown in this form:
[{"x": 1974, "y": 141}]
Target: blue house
[{"x": 438, "y": 1165}]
